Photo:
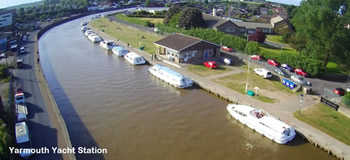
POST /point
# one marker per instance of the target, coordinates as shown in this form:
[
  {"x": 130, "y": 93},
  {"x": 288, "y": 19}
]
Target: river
[{"x": 110, "y": 104}]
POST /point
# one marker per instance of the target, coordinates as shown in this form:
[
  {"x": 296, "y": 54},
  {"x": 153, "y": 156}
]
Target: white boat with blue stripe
[
  {"x": 260, "y": 121},
  {"x": 168, "y": 75}
]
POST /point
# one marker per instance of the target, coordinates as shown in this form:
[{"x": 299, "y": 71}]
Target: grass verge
[
  {"x": 127, "y": 34},
  {"x": 327, "y": 120},
  {"x": 139, "y": 21},
  {"x": 268, "y": 48},
  {"x": 205, "y": 71},
  {"x": 333, "y": 67}
]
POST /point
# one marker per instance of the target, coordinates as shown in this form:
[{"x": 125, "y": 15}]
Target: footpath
[
  {"x": 63, "y": 140},
  {"x": 283, "y": 111}
]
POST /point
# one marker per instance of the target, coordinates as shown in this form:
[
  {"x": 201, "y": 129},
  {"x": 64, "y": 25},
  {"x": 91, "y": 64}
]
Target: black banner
[{"x": 329, "y": 103}]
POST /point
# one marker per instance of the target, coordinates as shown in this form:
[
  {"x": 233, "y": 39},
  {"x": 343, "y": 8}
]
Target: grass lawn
[
  {"x": 327, "y": 120},
  {"x": 278, "y": 50},
  {"x": 153, "y": 20},
  {"x": 333, "y": 67},
  {"x": 139, "y": 21},
  {"x": 275, "y": 39},
  {"x": 205, "y": 71},
  {"x": 127, "y": 34},
  {"x": 237, "y": 82}
]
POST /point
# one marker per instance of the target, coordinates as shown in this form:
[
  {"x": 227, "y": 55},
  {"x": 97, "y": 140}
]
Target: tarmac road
[{"x": 39, "y": 124}]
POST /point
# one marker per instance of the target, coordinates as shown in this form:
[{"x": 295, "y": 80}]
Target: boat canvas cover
[
  {"x": 120, "y": 49},
  {"x": 169, "y": 71},
  {"x": 22, "y": 132}
]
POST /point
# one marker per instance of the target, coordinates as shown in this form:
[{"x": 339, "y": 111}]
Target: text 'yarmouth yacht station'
[{"x": 56, "y": 150}]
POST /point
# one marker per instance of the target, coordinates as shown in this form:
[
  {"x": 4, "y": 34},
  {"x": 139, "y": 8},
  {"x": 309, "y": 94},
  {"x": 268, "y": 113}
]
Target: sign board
[
  {"x": 329, "y": 103},
  {"x": 6, "y": 19}
]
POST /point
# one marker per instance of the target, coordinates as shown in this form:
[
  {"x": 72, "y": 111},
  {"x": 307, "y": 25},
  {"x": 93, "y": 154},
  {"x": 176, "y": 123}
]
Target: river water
[{"x": 108, "y": 103}]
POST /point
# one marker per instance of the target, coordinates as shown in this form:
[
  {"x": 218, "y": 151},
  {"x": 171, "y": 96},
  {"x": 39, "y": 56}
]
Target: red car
[
  {"x": 210, "y": 64},
  {"x": 300, "y": 71},
  {"x": 225, "y": 48},
  {"x": 339, "y": 91},
  {"x": 273, "y": 62},
  {"x": 256, "y": 57}
]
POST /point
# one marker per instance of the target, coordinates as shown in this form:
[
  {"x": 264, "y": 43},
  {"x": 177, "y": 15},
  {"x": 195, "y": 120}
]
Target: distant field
[
  {"x": 327, "y": 120},
  {"x": 127, "y": 34}
]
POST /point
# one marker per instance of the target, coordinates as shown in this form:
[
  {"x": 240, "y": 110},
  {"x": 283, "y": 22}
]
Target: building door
[{"x": 206, "y": 53}]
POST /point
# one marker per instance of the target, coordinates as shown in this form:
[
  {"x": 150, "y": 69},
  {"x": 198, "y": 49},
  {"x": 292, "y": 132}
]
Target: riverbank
[{"x": 282, "y": 110}]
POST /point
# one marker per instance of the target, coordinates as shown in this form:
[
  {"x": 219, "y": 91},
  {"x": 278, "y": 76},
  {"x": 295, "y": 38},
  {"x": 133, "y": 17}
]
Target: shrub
[{"x": 252, "y": 47}]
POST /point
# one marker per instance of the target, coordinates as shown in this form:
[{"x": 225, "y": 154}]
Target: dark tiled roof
[
  {"x": 213, "y": 21},
  {"x": 177, "y": 41}
]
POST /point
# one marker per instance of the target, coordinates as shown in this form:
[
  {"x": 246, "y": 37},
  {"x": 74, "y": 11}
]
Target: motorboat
[
  {"x": 263, "y": 123},
  {"x": 22, "y": 112},
  {"x": 95, "y": 38},
  {"x": 84, "y": 28},
  {"x": 168, "y": 75},
  {"x": 119, "y": 51},
  {"x": 88, "y": 32},
  {"x": 107, "y": 44},
  {"x": 134, "y": 58}
]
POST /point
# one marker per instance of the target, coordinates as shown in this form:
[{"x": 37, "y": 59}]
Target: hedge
[{"x": 312, "y": 66}]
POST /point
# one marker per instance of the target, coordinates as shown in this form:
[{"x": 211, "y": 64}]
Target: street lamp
[
  {"x": 301, "y": 102},
  {"x": 246, "y": 85}
]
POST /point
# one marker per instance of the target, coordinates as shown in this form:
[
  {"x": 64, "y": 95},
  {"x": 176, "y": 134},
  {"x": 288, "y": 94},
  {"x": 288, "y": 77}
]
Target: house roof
[
  {"x": 213, "y": 21},
  {"x": 180, "y": 42},
  {"x": 177, "y": 41},
  {"x": 253, "y": 25},
  {"x": 276, "y": 20}
]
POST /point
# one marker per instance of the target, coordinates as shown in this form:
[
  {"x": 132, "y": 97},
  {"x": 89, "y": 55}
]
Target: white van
[
  {"x": 263, "y": 72},
  {"x": 23, "y": 140}
]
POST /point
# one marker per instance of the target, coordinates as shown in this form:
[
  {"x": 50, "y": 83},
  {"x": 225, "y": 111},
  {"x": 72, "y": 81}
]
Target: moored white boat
[
  {"x": 134, "y": 58},
  {"x": 262, "y": 122},
  {"x": 107, "y": 44},
  {"x": 168, "y": 75},
  {"x": 119, "y": 51},
  {"x": 94, "y": 38}
]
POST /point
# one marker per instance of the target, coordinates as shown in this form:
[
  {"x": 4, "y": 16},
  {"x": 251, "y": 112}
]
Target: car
[
  {"x": 300, "y": 72},
  {"x": 297, "y": 79},
  {"x": 273, "y": 62},
  {"x": 339, "y": 91},
  {"x": 210, "y": 64},
  {"x": 225, "y": 48},
  {"x": 19, "y": 98},
  {"x": 280, "y": 72},
  {"x": 21, "y": 50},
  {"x": 287, "y": 67},
  {"x": 3, "y": 55},
  {"x": 256, "y": 57}
]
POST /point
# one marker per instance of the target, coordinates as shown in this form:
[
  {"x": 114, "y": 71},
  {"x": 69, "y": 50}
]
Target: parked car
[
  {"x": 225, "y": 48},
  {"x": 19, "y": 98},
  {"x": 210, "y": 64},
  {"x": 21, "y": 50},
  {"x": 339, "y": 91},
  {"x": 264, "y": 73},
  {"x": 297, "y": 79},
  {"x": 300, "y": 71},
  {"x": 256, "y": 57},
  {"x": 287, "y": 67},
  {"x": 280, "y": 72},
  {"x": 3, "y": 55},
  {"x": 273, "y": 62}
]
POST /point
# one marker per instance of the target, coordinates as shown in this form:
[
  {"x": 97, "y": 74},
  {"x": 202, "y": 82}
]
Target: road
[{"x": 39, "y": 124}]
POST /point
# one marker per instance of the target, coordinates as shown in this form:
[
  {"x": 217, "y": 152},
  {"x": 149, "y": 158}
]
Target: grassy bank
[
  {"x": 127, "y": 34},
  {"x": 139, "y": 21},
  {"x": 327, "y": 120},
  {"x": 203, "y": 71}
]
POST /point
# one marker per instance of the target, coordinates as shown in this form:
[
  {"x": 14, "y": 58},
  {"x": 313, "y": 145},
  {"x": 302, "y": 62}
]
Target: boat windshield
[{"x": 258, "y": 113}]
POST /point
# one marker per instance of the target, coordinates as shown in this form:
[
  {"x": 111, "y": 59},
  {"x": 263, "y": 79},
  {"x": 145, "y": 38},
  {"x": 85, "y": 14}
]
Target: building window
[
  {"x": 194, "y": 53},
  {"x": 265, "y": 30},
  {"x": 230, "y": 29}
]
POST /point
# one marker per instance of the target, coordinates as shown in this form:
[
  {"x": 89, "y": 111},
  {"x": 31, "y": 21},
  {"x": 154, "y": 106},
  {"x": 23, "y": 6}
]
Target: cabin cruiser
[
  {"x": 168, "y": 75},
  {"x": 107, "y": 44},
  {"x": 134, "y": 58},
  {"x": 119, "y": 51},
  {"x": 262, "y": 122},
  {"x": 88, "y": 32},
  {"x": 95, "y": 38},
  {"x": 84, "y": 28}
]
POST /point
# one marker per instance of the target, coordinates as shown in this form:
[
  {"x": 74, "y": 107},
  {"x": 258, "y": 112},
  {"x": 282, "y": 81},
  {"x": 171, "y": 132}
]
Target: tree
[
  {"x": 174, "y": 9},
  {"x": 252, "y": 48},
  {"x": 191, "y": 18},
  {"x": 258, "y": 36},
  {"x": 321, "y": 23}
]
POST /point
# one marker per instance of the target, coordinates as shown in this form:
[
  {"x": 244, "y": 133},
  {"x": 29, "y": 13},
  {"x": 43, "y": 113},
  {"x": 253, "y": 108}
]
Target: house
[
  {"x": 184, "y": 49},
  {"x": 220, "y": 24},
  {"x": 236, "y": 27},
  {"x": 264, "y": 10},
  {"x": 280, "y": 25}
]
